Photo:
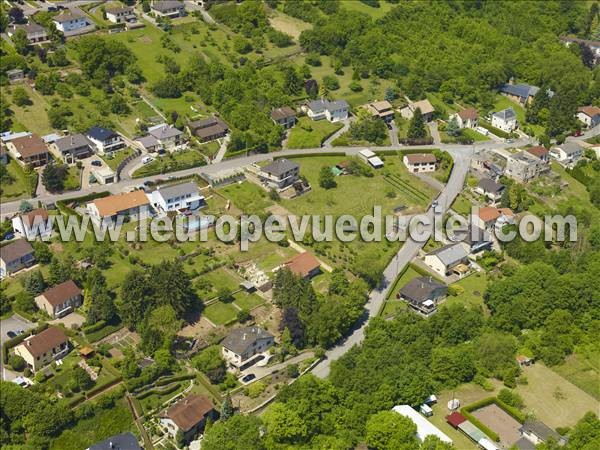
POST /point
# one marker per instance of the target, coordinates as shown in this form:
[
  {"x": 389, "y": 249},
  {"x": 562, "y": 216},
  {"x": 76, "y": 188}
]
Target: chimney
[
  {"x": 244, "y": 337},
  {"x": 111, "y": 445}
]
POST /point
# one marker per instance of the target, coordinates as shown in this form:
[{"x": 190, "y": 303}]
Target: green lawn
[
  {"x": 310, "y": 133},
  {"x": 19, "y": 187},
  {"x": 73, "y": 180},
  {"x": 346, "y": 140},
  {"x": 248, "y": 301},
  {"x": 220, "y": 313},
  {"x": 114, "y": 158},
  {"x": 248, "y": 197},
  {"x": 183, "y": 159},
  {"x": 476, "y": 136},
  {"x": 503, "y": 102},
  {"x": 101, "y": 425},
  {"x": 474, "y": 286},
  {"x": 33, "y": 117},
  {"x": 583, "y": 370},
  {"x": 462, "y": 205},
  {"x": 376, "y": 13},
  {"x": 220, "y": 279}
]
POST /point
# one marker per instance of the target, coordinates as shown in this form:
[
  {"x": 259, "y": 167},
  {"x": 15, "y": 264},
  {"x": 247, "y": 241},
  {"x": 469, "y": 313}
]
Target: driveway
[
  {"x": 338, "y": 133},
  {"x": 69, "y": 320},
  {"x": 261, "y": 372},
  {"x": 13, "y": 323}
]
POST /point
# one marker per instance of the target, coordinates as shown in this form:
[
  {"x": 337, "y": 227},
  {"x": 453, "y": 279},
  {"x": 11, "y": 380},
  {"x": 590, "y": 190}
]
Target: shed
[
  {"x": 247, "y": 286},
  {"x": 86, "y": 352},
  {"x": 376, "y": 162},
  {"x": 486, "y": 444},
  {"x": 472, "y": 431},
  {"x": 455, "y": 419}
]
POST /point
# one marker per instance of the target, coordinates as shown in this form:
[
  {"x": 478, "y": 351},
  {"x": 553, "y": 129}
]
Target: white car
[{"x": 147, "y": 159}]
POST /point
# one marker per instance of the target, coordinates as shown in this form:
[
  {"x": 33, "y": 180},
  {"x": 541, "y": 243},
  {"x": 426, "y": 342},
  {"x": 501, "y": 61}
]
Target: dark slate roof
[
  {"x": 279, "y": 167},
  {"x": 450, "y": 254},
  {"x": 178, "y": 190},
  {"x": 164, "y": 131},
  {"x": 524, "y": 444},
  {"x": 540, "y": 429},
  {"x": 69, "y": 143},
  {"x": 519, "y": 90},
  {"x": 490, "y": 185},
  {"x": 506, "y": 114},
  {"x": 123, "y": 441},
  {"x": 421, "y": 289},
  {"x": 101, "y": 134},
  {"x": 165, "y": 5},
  {"x": 239, "y": 339}
]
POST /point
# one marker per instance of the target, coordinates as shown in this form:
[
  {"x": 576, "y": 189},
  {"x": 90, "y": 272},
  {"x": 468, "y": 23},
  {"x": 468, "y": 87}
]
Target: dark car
[
  {"x": 248, "y": 378},
  {"x": 97, "y": 163},
  {"x": 11, "y": 334}
]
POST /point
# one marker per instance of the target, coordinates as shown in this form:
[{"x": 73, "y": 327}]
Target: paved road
[
  {"x": 407, "y": 252},
  {"x": 10, "y": 208}
]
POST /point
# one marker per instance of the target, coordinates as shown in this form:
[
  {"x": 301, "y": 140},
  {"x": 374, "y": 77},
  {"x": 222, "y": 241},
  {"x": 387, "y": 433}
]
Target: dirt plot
[
  {"x": 499, "y": 421},
  {"x": 121, "y": 339},
  {"x": 201, "y": 329}
]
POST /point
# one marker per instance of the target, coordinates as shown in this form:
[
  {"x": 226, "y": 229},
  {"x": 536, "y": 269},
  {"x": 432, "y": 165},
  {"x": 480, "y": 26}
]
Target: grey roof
[
  {"x": 165, "y": 5},
  {"x": 506, "y": 114},
  {"x": 280, "y": 166},
  {"x": 522, "y": 90},
  {"x": 337, "y": 104},
  {"x": 316, "y": 105},
  {"x": 490, "y": 186},
  {"x": 524, "y": 444},
  {"x": 164, "y": 132},
  {"x": 450, "y": 254},
  {"x": 30, "y": 28},
  {"x": 68, "y": 16},
  {"x": 421, "y": 289},
  {"x": 540, "y": 429},
  {"x": 282, "y": 113},
  {"x": 148, "y": 141},
  {"x": 177, "y": 190},
  {"x": 15, "y": 250},
  {"x": 323, "y": 104},
  {"x": 123, "y": 441},
  {"x": 525, "y": 157},
  {"x": 70, "y": 143},
  {"x": 570, "y": 148},
  {"x": 239, "y": 339},
  {"x": 119, "y": 10}
]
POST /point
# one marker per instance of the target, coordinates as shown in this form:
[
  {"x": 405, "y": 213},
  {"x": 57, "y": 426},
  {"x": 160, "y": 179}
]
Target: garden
[{"x": 308, "y": 133}]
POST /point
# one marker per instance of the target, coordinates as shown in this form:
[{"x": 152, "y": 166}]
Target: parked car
[
  {"x": 97, "y": 163},
  {"x": 9, "y": 235},
  {"x": 147, "y": 159},
  {"x": 11, "y": 334},
  {"x": 248, "y": 378}
]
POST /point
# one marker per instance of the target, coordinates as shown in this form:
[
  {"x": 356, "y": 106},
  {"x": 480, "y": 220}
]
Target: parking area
[
  {"x": 70, "y": 320},
  {"x": 13, "y": 324}
]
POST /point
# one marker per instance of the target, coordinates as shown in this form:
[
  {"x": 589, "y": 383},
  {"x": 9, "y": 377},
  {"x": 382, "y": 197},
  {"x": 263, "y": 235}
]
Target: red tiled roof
[
  {"x": 45, "y": 341},
  {"x": 30, "y": 145},
  {"x": 455, "y": 419},
  {"x": 188, "y": 412},
  {"x": 469, "y": 113},
  {"x": 29, "y": 218},
  {"x": 539, "y": 151},
  {"x": 61, "y": 292},
  {"x": 591, "y": 111},
  {"x": 303, "y": 264},
  {"x": 420, "y": 158}
]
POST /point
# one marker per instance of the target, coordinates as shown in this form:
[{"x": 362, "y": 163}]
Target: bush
[
  {"x": 313, "y": 59},
  {"x": 16, "y": 362},
  {"x": 455, "y": 290},
  {"x": 511, "y": 398},
  {"x": 255, "y": 389},
  {"x": 292, "y": 371}
]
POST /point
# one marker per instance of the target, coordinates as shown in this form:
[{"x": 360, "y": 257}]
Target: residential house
[
  {"x": 60, "y": 300},
  {"x": 169, "y": 137},
  {"x": 188, "y": 416},
  {"x": 177, "y": 197},
  {"x": 475, "y": 240},
  {"x": 589, "y": 115},
  {"x": 425, "y": 106},
  {"x": 423, "y": 294},
  {"x": 105, "y": 210},
  {"x": 467, "y": 118},
  {"x": 168, "y": 8},
  {"x": 241, "y": 344},
  {"x": 279, "y": 174},
  {"x": 505, "y": 120},
  {"x": 105, "y": 140},
  {"x": 123, "y": 441},
  {"x": 36, "y": 34},
  {"x": 29, "y": 150},
  {"x": 149, "y": 143},
  {"x": 70, "y": 22},
  {"x": 523, "y": 360},
  {"x": 43, "y": 348},
  {"x": 538, "y": 432},
  {"x": 523, "y": 166},
  {"x": 208, "y": 129},
  {"x": 333, "y": 111},
  {"x": 490, "y": 189},
  {"x": 382, "y": 110},
  {"x": 420, "y": 162},
  {"x": 522, "y": 93},
  {"x": 567, "y": 153},
  {"x": 540, "y": 152},
  {"x": 284, "y": 116},
  {"x": 71, "y": 148},
  {"x": 15, "y": 256},
  {"x": 448, "y": 260},
  {"x": 489, "y": 217},
  {"x": 121, "y": 15},
  {"x": 304, "y": 265},
  {"x": 32, "y": 224}
]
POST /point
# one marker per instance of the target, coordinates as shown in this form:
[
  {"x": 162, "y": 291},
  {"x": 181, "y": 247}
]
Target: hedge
[
  {"x": 164, "y": 381},
  {"x": 497, "y": 131},
  {"x": 18, "y": 339},
  {"x": 76, "y": 400},
  {"x": 61, "y": 205},
  {"x": 101, "y": 387},
  {"x": 172, "y": 388},
  {"x": 103, "y": 332},
  {"x": 94, "y": 327}
]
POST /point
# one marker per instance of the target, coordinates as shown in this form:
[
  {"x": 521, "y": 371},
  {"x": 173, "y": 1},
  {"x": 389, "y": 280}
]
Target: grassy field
[
  {"x": 183, "y": 159},
  {"x": 33, "y": 117},
  {"x": 474, "y": 286},
  {"x": 462, "y": 205},
  {"x": 310, "y": 133},
  {"x": 73, "y": 180},
  {"x": 19, "y": 187},
  {"x": 287, "y": 24},
  {"x": 583, "y": 370},
  {"x": 248, "y": 301},
  {"x": 248, "y": 197},
  {"x": 101, "y": 425},
  {"x": 114, "y": 159},
  {"x": 376, "y": 13},
  {"x": 477, "y": 137},
  {"x": 553, "y": 399},
  {"x": 220, "y": 313}
]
